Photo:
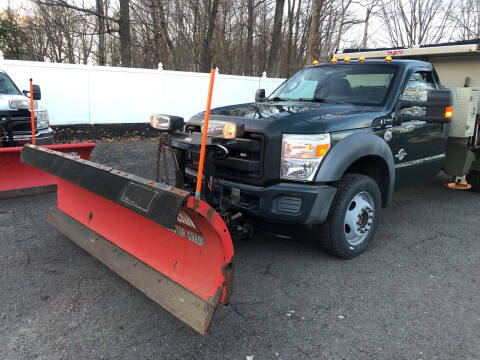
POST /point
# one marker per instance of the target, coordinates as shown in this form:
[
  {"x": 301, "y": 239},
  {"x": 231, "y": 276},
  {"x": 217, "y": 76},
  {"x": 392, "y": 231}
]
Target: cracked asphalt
[{"x": 415, "y": 294}]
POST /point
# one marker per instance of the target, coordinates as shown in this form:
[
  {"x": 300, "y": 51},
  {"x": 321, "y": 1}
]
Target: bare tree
[
  {"x": 411, "y": 22},
  {"x": 241, "y": 36},
  {"x": 276, "y": 38},
  {"x": 123, "y": 22},
  {"x": 345, "y": 21},
  {"x": 250, "y": 29},
  {"x": 101, "y": 32},
  {"x": 313, "y": 41},
  {"x": 124, "y": 32},
  {"x": 369, "y": 11},
  {"x": 206, "y": 51},
  {"x": 466, "y": 19}
]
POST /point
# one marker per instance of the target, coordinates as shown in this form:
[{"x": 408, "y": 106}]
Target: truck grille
[
  {"x": 20, "y": 121},
  {"x": 245, "y": 160}
]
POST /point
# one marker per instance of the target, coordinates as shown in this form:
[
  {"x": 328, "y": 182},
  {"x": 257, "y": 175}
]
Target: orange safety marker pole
[
  {"x": 204, "y": 135},
  {"x": 32, "y": 114}
]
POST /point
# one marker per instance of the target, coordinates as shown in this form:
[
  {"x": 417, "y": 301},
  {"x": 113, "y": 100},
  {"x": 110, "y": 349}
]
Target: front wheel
[{"x": 353, "y": 217}]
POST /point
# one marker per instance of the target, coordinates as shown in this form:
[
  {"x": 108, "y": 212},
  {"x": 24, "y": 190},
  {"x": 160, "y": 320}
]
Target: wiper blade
[
  {"x": 276, "y": 98},
  {"x": 323, "y": 100}
]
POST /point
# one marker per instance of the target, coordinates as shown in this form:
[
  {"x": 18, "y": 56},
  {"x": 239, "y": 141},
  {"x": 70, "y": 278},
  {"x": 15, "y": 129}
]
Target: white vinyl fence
[{"x": 87, "y": 94}]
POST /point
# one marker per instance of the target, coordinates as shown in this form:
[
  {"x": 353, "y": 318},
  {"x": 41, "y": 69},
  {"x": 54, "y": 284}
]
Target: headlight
[
  {"x": 42, "y": 119},
  {"x": 22, "y": 104},
  {"x": 302, "y": 155},
  {"x": 168, "y": 123},
  {"x": 222, "y": 129}
]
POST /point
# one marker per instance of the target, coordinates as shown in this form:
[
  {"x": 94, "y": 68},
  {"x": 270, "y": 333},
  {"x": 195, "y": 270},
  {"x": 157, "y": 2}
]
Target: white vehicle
[{"x": 15, "y": 118}]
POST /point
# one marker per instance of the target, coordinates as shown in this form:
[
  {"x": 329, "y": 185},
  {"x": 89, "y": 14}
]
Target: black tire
[
  {"x": 474, "y": 179},
  {"x": 332, "y": 233}
]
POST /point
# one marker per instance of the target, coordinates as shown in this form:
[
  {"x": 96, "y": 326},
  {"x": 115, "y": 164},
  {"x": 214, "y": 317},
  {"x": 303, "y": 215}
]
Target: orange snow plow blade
[
  {"x": 18, "y": 179},
  {"x": 175, "y": 249}
]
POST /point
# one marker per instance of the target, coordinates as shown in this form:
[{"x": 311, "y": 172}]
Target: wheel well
[{"x": 377, "y": 169}]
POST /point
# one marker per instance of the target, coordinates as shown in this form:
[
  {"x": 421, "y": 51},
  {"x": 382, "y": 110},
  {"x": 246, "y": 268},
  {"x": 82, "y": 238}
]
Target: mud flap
[
  {"x": 173, "y": 248},
  {"x": 18, "y": 179}
]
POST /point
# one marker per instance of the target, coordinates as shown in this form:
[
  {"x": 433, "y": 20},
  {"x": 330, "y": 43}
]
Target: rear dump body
[
  {"x": 174, "y": 248},
  {"x": 18, "y": 179}
]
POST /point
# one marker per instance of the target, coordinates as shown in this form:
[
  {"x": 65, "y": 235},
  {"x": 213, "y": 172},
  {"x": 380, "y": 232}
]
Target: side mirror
[
  {"x": 438, "y": 108},
  {"x": 259, "y": 95},
  {"x": 37, "y": 93}
]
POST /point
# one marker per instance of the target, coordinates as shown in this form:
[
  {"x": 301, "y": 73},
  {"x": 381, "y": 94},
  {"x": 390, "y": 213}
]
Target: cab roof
[{"x": 403, "y": 63}]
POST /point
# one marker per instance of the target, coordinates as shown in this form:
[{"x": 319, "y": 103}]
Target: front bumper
[
  {"x": 42, "y": 137},
  {"x": 284, "y": 202}
]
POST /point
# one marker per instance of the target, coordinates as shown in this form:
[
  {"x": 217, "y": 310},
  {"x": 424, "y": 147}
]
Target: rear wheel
[
  {"x": 353, "y": 217},
  {"x": 474, "y": 179}
]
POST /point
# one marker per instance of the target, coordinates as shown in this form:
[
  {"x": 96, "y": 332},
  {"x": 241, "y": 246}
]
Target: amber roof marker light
[
  {"x": 361, "y": 59},
  {"x": 388, "y": 58},
  {"x": 333, "y": 60}
]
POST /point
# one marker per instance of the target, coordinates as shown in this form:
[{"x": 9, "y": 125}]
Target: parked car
[{"x": 15, "y": 118}]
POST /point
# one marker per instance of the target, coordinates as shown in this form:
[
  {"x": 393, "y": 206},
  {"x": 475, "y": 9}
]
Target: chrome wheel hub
[{"x": 359, "y": 218}]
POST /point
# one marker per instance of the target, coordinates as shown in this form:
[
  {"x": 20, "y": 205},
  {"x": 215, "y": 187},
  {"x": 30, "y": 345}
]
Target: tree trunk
[
  {"x": 124, "y": 31},
  {"x": 206, "y": 57},
  {"x": 296, "y": 49},
  {"x": 250, "y": 24},
  {"x": 164, "y": 28},
  {"x": 291, "y": 14},
  {"x": 365, "y": 28},
  {"x": 157, "y": 37},
  {"x": 313, "y": 51},
  {"x": 342, "y": 24},
  {"x": 272, "y": 67},
  {"x": 101, "y": 33}
]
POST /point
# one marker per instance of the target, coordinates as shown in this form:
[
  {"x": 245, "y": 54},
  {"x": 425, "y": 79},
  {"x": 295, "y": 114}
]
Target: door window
[{"x": 418, "y": 86}]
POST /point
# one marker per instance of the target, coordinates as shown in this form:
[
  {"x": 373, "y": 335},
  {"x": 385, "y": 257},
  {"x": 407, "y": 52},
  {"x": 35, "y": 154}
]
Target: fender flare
[{"x": 352, "y": 148}]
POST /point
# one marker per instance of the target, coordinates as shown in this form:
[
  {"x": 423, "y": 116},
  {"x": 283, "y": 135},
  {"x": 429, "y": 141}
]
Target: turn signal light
[
  {"x": 229, "y": 130},
  {"x": 221, "y": 129},
  {"x": 321, "y": 150},
  {"x": 448, "y": 112}
]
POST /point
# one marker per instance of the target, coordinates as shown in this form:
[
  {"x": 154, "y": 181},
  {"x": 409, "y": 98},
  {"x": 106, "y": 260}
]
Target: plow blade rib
[
  {"x": 184, "y": 264},
  {"x": 18, "y": 179}
]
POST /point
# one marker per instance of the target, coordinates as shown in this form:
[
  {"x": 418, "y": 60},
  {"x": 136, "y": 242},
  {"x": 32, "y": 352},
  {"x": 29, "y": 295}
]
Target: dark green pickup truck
[{"x": 326, "y": 150}]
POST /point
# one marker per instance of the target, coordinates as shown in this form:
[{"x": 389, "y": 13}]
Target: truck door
[{"x": 417, "y": 146}]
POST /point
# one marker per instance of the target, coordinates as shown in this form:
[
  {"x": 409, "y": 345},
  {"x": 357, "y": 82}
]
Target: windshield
[
  {"x": 7, "y": 86},
  {"x": 360, "y": 84}
]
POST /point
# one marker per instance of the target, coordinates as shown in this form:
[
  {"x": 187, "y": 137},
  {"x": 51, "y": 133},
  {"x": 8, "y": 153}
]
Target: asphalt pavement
[{"x": 415, "y": 293}]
